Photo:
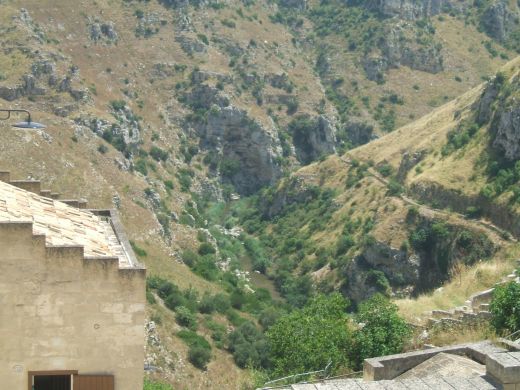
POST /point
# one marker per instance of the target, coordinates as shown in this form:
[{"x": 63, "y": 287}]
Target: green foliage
[
  {"x": 185, "y": 177},
  {"x": 505, "y": 308},
  {"x": 385, "y": 170},
  {"x": 378, "y": 279},
  {"x": 199, "y": 353},
  {"x": 459, "y": 137},
  {"x": 138, "y": 250},
  {"x": 229, "y": 167},
  {"x": 117, "y": 105},
  {"x": 140, "y": 166},
  {"x": 383, "y": 332},
  {"x": 308, "y": 339},
  {"x": 158, "y": 154},
  {"x": 185, "y": 317},
  {"x": 153, "y": 385},
  {"x": 206, "y": 248},
  {"x": 256, "y": 253},
  {"x": 394, "y": 188},
  {"x": 249, "y": 346},
  {"x": 504, "y": 176},
  {"x": 199, "y": 356}
]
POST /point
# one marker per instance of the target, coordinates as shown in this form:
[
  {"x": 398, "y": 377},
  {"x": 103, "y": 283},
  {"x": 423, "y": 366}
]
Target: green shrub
[
  {"x": 199, "y": 353},
  {"x": 505, "y": 308},
  {"x": 394, "y": 188},
  {"x": 153, "y": 385},
  {"x": 185, "y": 317},
  {"x": 383, "y": 332},
  {"x": 158, "y": 154},
  {"x": 138, "y": 250},
  {"x": 189, "y": 258},
  {"x": 199, "y": 356},
  {"x": 140, "y": 166},
  {"x": 385, "y": 170},
  {"x": 310, "y": 338},
  {"x": 207, "y": 304},
  {"x": 117, "y": 105},
  {"x": 206, "y": 249},
  {"x": 102, "y": 149}
]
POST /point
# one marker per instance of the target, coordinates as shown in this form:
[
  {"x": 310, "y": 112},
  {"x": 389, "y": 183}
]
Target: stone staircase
[
  {"x": 475, "y": 310},
  {"x": 35, "y": 187}
]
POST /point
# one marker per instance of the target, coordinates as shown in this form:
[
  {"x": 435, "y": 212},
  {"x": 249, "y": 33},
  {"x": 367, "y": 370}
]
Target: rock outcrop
[
  {"x": 191, "y": 45},
  {"x": 484, "y": 106},
  {"x": 499, "y": 20},
  {"x": 409, "y": 161},
  {"x": 507, "y": 137},
  {"x": 400, "y": 48},
  {"x": 100, "y": 31},
  {"x": 248, "y": 153},
  {"x": 412, "y": 9},
  {"x": 313, "y": 138},
  {"x": 359, "y": 133},
  {"x": 379, "y": 268},
  {"x": 28, "y": 87}
]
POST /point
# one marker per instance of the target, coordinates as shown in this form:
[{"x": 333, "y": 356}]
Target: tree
[
  {"x": 308, "y": 339},
  {"x": 505, "y": 308},
  {"x": 382, "y": 331},
  {"x": 185, "y": 317},
  {"x": 199, "y": 356}
]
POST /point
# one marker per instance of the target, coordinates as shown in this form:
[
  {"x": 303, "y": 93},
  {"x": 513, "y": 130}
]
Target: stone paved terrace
[
  {"x": 475, "y": 366},
  {"x": 428, "y": 383},
  {"x": 64, "y": 225}
]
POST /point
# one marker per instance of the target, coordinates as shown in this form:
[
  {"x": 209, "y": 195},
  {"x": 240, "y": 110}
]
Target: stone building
[{"x": 72, "y": 295}]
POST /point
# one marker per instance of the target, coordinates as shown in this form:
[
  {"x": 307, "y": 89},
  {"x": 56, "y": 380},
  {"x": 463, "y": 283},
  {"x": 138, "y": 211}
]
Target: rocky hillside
[
  {"x": 175, "y": 112},
  {"x": 405, "y": 213}
]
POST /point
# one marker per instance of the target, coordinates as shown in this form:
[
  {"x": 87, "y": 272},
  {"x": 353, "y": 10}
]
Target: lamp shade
[{"x": 29, "y": 125}]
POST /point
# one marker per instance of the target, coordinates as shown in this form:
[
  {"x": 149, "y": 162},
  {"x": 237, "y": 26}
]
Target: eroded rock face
[
  {"x": 365, "y": 272},
  {"x": 499, "y": 20},
  {"x": 100, "y": 31},
  {"x": 409, "y": 161},
  {"x": 508, "y": 132},
  {"x": 411, "y": 9},
  {"x": 28, "y": 87},
  {"x": 397, "y": 50},
  {"x": 191, "y": 45},
  {"x": 314, "y": 140},
  {"x": 249, "y": 153},
  {"x": 484, "y": 105},
  {"x": 359, "y": 133}
]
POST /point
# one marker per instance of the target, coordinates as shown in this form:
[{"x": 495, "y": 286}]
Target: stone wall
[{"x": 62, "y": 311}]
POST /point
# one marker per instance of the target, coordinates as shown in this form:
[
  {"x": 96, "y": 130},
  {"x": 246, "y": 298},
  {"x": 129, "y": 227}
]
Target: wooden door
[{"x": 93, "y": 382}]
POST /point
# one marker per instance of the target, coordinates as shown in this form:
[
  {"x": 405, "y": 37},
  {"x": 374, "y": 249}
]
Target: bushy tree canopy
[
  {"x": 505, "y": 308},
  {"x": 382, "y": 331},
  {"x": 308, "y": 339}
]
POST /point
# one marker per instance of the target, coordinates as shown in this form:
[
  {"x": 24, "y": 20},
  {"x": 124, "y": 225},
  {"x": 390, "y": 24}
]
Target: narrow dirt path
[{"x": 494, "y": 232}]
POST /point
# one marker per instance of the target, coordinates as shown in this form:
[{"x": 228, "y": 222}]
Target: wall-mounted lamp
[{"x": 28, "y": 124}]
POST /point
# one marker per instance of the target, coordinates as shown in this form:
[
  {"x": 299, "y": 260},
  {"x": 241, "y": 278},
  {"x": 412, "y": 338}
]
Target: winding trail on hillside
[{"x": 494, "y": 232}]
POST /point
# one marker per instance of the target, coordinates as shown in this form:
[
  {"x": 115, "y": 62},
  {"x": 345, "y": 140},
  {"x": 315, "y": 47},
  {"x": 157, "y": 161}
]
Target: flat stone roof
[
  {"x": 445, "y": 365},
  {"x": 64, "y": 225},
  {"x": 428, "y": 383}
]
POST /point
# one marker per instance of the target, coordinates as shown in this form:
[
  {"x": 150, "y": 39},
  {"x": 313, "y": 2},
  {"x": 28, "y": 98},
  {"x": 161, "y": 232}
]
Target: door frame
[{"x": 32, "y": 374}]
